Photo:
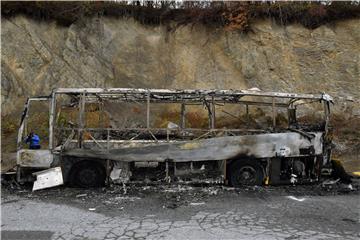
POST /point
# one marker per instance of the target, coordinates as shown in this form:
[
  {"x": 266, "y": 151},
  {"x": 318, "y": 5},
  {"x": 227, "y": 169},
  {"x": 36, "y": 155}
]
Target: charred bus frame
[{"x": 263, "y": 150}]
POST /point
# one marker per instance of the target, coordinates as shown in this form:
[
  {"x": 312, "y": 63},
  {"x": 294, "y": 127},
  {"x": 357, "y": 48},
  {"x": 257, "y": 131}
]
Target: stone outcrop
[{"x": 109, "y": 52}]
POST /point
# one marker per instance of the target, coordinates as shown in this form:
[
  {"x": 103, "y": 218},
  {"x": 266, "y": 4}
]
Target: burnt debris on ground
[{"x": 169, "y": 196}]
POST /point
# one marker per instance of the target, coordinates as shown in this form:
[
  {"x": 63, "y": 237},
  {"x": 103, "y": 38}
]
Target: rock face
[{"x": 108, "y": 52}]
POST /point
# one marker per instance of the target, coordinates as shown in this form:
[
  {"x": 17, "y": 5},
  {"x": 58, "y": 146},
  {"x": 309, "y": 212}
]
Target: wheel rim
[{"x": 247, "y": 175}]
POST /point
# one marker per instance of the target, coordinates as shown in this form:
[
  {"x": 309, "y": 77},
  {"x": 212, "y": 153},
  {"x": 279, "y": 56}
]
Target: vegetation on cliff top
[{"x": 228, "y": 14}]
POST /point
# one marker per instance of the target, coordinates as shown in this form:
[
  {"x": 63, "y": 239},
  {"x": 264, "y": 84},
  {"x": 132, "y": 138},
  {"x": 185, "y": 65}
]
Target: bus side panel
[{"x": 34, "y": 158}]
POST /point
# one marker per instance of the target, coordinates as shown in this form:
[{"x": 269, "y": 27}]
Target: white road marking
[{"x": 296, "y": 199}]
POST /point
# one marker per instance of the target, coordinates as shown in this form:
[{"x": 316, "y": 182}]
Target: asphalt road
[{"x": 181, "y": 212}]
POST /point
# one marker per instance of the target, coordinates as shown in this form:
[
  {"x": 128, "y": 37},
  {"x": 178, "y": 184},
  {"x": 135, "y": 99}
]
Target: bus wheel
[
  {"x": 87, "y": 174},
  {"x": 246, "y": 172}
]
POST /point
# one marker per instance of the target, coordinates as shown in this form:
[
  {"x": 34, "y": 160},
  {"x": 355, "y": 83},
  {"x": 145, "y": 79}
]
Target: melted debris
[{"x": 172, "y": 195}]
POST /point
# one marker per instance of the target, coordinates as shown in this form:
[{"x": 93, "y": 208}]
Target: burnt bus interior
[
  {"x": 127, "y": 114},
  {"x": 94, "y": 118}
]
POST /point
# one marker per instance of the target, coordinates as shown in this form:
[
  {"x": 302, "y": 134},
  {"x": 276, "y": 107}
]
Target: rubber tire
[
  {"x": 234, "y": 171},
  {"x": 94, "y": 171},
  {"x": 339, "y": 172}
]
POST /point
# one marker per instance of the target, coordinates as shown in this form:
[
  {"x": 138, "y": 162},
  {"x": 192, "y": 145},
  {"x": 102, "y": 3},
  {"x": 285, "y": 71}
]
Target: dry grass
[{"x": 231, "y": 15}]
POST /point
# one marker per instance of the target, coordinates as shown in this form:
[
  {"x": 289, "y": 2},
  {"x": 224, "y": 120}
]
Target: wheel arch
[
  {"x": 245, "y": 157},
  {"x": 71, "y": 164}
]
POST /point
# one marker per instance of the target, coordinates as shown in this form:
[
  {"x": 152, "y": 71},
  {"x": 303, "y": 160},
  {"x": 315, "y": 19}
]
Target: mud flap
[{"x": 48, "y": 178}]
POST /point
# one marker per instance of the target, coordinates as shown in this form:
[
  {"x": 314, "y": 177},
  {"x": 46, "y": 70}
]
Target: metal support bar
[
  {"x": 148, "y": 111},
  {"x": 327, "y": 115},
  {"x": 134, "y": 137},
  {"x": 182, "y": 123},
  {"x": 231, "y": 115},
  {"x": 201, "y": 136},
  {"x": 51, "y": 121},
  {"x": 247, "y": 116},
  {"x": 68, "y": 140},
  {"x": 273, "y": 112},
  {"x": 153, "y": 136},
  {"x": 26, "y": 122},
  {"x": 81, "y": 120},
  {"x": 212, "y": 113},
  {"x": 163, "y": 130},
  {"x": 97, "y": 143},
  {"x": 21, "y": 132},
  {"x": 108, "y": 139}
]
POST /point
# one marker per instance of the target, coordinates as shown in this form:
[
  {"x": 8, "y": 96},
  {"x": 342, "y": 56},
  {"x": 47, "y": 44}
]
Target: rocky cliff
[{"x": 108, "y": 52}]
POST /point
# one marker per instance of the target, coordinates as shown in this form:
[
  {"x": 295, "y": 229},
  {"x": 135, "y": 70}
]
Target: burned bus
[{"x": 239, "y": 137}]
